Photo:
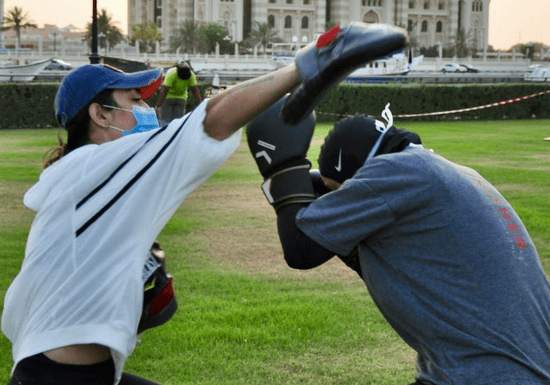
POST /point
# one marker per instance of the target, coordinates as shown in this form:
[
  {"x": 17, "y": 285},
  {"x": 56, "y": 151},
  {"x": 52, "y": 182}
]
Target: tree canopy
[
  {"x": 147, "y": 34},
  {"x": 188, "y": 38},
  {"x": 17, "y": 19},
  {"x": 263, "y": 34},
  {"x": 214, "y": 33},
  {"x": 106, "y": 30}
]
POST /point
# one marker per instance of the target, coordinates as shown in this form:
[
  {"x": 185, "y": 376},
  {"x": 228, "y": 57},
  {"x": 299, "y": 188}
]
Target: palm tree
[
  {"x": 263, "y": 34},
  {"x": 106, "y": 28},
  {"x": 16, "y": 19},
  {"x": 462, "y": 42},
  {"x": 188, "y": 38}
]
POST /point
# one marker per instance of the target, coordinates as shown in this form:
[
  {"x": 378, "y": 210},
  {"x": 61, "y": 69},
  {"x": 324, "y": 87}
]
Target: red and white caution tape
[{"x": 509, "y": 101}]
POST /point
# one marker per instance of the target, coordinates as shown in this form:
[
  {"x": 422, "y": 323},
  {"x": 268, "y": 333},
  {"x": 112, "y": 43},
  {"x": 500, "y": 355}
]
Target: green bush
[
  {"x": 417, "y": 98},
  {"x": 30, "y": 105},
  {"x": 27, "y": 105}
]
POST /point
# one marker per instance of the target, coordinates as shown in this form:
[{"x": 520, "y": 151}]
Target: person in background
[{"x": 172, "y": 100}]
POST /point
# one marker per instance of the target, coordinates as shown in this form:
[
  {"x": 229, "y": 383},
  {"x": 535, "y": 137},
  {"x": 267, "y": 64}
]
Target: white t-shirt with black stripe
[{"x": 99, "y": 209}]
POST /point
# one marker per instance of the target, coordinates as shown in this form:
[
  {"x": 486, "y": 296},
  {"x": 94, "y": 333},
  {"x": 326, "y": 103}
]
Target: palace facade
[{"x": 429, "y": 22}]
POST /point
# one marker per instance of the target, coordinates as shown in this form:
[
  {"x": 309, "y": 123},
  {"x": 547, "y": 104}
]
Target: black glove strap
[{"x": 290, "y": 185}]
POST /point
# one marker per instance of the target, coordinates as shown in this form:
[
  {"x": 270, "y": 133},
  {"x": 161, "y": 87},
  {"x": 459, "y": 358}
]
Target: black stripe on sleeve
[
  {"x": 130, "y": 183},
  {"x": 94, "y": 191}
]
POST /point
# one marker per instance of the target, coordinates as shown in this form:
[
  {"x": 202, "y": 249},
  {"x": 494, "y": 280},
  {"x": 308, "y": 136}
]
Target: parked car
[
  {"x": 469, "y": 68},
  {"x": 59, "y": 65},
  {"x": 452, "y": 67}
]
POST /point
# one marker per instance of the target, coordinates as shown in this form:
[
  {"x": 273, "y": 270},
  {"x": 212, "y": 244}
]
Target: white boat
[
  {"x": 282, "y": 54},
  {"x": 537, "y": 73},
  {"x": 390, "y": 68},
  {"x": 22, "y": 73}
]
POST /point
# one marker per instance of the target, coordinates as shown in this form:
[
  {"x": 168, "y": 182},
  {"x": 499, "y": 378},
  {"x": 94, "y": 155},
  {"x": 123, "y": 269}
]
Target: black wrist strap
[{"x": 290, "y": 185}]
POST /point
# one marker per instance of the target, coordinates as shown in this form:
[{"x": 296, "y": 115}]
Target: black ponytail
[{"x": 77, "y": 129}]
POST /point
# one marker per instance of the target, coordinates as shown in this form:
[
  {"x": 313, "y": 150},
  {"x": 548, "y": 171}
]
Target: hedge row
[
  {"x": 416, "y": 98},
  {"x": 30, "y": 105}
]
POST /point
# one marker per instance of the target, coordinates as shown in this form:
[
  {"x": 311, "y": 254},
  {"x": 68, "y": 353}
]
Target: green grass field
[{"x": 244, "y": 316}]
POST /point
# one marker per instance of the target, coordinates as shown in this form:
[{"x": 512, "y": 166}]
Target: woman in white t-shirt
[{"x": 72, "y": 313}]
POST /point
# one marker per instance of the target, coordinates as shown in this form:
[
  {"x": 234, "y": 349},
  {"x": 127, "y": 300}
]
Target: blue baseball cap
[{"x": 80, "y": 86}]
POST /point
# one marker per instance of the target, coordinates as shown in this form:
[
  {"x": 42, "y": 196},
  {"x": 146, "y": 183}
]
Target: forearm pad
[
  {"x": 289, "y": 185},
  {"x": 300, "y": 251},
  {"x": 336, "y": 54}
]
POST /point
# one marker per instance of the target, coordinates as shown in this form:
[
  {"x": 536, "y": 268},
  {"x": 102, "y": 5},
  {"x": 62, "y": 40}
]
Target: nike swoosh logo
[{"x": 339, "y": 166}]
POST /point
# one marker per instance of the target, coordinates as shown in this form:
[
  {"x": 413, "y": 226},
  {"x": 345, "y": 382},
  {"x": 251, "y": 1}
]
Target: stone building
[
  {"x": 430, "y": 22},
  {"x": 1, "y": 23}
]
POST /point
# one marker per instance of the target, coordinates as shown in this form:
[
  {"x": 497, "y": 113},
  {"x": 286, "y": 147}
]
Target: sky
[{"x": 510, "y": 21}]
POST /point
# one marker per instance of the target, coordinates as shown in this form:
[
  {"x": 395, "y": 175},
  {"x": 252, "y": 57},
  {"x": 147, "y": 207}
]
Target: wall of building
[
  {"x": 1, "y": 22},
  {"x": 429, "y": 22}
]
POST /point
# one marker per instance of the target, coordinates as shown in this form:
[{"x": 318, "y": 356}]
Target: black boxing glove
[{"x": 280, "y": 153}]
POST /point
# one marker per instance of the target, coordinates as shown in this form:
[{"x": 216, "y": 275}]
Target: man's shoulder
[{"x": 171, "y": 76}]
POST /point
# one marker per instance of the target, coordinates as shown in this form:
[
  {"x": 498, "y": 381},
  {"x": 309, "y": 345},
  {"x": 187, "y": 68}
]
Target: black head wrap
[{"x": 348, "y": 144}]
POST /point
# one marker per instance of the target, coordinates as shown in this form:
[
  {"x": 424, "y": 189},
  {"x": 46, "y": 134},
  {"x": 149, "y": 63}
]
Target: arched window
[
  {"x": 439, "y": 27},
  {"x": 227, "y": 20},
  {"x": 305, "y": 22},
  {"x": 424, "y": 27},
  {"x": 370, "y": 17},
  {"x": 271, "y": 21},
  {"x": 410, "y": 25},
  {"x": 477, "y": 6},
  {"x": 288, "y": 22}
]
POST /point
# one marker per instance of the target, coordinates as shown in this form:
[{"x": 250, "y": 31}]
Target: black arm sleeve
[{"x": 300, "y": 251}]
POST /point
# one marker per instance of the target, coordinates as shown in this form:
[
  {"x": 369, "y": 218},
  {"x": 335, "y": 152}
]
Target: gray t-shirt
[{"x": 449, "y": 264}]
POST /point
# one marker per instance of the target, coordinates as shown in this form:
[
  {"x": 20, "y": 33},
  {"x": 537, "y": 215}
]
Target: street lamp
[
  {"x": 94, "y": 57},
  {"x": 55, "y": 32},
  {"x": 101, "y": 42},
  {"x": 226, "y": 39}
]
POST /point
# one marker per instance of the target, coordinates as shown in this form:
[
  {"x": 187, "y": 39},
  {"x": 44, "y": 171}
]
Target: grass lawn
[{"x": 244, "y": 316}]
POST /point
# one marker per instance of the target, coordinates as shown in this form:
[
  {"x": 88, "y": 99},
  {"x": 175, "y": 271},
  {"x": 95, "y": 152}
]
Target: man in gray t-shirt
[{"x": 444, "y": 256}]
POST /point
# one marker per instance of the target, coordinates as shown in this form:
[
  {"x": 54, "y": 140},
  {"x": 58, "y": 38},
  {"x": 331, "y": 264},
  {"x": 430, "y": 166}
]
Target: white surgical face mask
[{"x": 146, "y": 119}]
